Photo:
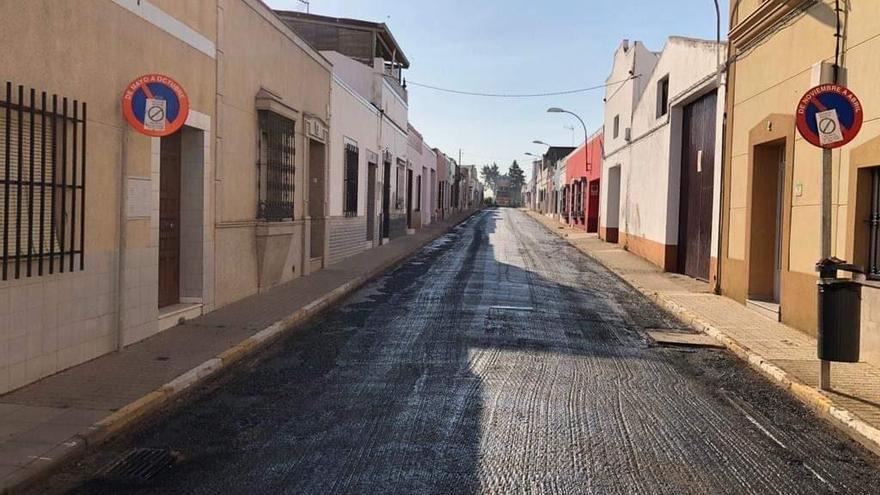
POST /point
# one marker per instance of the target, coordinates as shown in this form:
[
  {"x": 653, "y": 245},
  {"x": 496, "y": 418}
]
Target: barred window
[
  {"x": 275, "y": 167},
  {"x": 350, "y": 187},
  {"x": 42, "y": 183}
]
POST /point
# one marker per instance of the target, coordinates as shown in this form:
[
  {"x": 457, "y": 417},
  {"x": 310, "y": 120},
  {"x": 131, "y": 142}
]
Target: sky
[{"x": 515, "y": 46}]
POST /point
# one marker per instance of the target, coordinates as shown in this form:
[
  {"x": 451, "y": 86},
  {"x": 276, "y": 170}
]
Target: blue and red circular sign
[
  {"x": 829, "y": 116},
  {"x": 155, "y": 105}
]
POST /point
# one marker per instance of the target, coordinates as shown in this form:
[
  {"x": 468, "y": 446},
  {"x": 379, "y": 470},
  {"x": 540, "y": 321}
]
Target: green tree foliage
[
  {"x": 517, "y": 177},
  {"x": 490, "y": 174}
]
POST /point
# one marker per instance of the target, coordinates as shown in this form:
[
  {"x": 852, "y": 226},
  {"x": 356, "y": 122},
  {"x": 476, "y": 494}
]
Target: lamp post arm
[{"x": 586, "y": 138}]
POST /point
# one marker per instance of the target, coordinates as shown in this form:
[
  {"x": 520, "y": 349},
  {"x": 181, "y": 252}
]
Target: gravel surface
[{"x": 497, "y": 360}]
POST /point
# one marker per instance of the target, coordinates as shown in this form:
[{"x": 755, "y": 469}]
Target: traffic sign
[
  {"x": 829, "y": 116},
  {"x": 155, "y": 105}
]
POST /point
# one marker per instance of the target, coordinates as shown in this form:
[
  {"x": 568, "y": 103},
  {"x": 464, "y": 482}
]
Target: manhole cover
[
  {"x": 139, "y": 465},
  {"x": 683, "y": 339}
]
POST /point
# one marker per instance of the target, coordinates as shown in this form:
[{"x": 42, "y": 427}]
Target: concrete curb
[
  {"x": 849, "y": 423},
  {"x": 151, "y": 403}
]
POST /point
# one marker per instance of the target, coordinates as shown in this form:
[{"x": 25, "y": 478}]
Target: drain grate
[{"x": 139, "y": 465}]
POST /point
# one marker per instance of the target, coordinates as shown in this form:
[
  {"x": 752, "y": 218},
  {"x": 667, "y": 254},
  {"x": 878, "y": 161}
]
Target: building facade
[
  {"x": 663, "y": 165},
  {"x": 771, "y": 237},
  {"x": 149, "y": 230},
  {"x": 582, "y": 185}
]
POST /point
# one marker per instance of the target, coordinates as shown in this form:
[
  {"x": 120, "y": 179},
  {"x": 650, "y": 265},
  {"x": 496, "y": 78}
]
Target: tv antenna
[
  {"x": 570, "y": 128},
  {"x": 306, "y": 2}
]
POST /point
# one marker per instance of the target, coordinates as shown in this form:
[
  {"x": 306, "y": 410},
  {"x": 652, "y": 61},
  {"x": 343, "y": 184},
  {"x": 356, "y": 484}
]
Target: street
[{"x": 497, "y": 360}]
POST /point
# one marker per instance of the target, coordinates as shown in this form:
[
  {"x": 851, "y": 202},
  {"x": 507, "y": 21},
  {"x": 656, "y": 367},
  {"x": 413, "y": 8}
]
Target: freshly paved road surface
[{"x": 498, "y": 360}]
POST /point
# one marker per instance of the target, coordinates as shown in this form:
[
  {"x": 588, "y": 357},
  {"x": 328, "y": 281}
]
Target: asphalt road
[{"x": 498, "y": 360}]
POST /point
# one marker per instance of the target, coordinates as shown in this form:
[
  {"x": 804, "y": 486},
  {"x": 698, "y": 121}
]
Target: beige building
[
  {"x": 772, "y": 180},
  {"x": 122, "y": 234}
]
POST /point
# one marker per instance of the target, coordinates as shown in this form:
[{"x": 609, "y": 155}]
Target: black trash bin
[{"x": 840, "y": 307}]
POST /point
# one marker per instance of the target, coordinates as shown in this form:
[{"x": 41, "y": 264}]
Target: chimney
[{"x": 625, "y": 45}]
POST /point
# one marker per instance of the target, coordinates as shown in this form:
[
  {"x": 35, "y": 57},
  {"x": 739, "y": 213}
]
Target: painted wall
[
  {"x": 633, "y": 65},
  {"x": 353, "y": 120},
  {"x": 260, "y": 52},
  {"x": 650, "y": 162},
  {"x": 52, "y": 322},
  {"x": 768, "y": 79},
  {"x": 585, "y": 162}
]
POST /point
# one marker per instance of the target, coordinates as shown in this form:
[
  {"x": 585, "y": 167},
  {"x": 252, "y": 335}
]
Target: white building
[
  {"x": 663, "y": 154},
  {"x": 367, "y": 64},
  {"x": 423, "y": 164}
]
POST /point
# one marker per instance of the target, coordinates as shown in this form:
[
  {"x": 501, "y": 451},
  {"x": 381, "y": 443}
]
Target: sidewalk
[
  {"x": 48, "y": 422},
  {"x": 783, "y": 354}
]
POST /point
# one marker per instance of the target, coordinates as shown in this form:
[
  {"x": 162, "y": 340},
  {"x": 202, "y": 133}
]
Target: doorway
[
  {"x": 386, "y": 200},
  {"x": 409, "y": 199},
  {"x": 169, "y": 220},
  {"x": 697, "y": 187},
  {"x": 765, "y": 231},
  {"x": 371, "y": 202},
  {"x": 316, "y": 201},
  {"x": 593, "y": 207},
  {"x": 612, "y": 205}
]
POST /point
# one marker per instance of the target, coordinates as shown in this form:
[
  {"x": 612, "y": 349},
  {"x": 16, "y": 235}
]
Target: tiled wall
[
  {"x": 52, "y": 322},
  {"x": 348, "y": 236}
]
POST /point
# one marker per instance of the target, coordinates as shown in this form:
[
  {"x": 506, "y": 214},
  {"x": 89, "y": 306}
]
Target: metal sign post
[
  {"x": 824, "y": 365},
  {"x": 828, "y": 116}
]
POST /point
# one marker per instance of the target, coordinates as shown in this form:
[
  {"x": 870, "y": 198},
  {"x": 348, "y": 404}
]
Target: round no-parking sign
[
  {"x": 155, "y": 105},
  {"x": 829, "y": 116}
]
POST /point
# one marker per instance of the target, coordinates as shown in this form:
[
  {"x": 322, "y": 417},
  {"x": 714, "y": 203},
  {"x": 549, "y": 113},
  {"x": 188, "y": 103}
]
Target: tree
[
  {"x": 490, "y": 174},
  {"x": 517, "y": 177}
]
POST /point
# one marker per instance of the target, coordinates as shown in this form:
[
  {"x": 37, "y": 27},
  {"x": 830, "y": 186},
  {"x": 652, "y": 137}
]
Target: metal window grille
[
  {"x": 42, "y": 183},
  {"x": 351, "y": 180},
  {"x": 275, "y": 167},
  {"x": 874, "y": 223}
]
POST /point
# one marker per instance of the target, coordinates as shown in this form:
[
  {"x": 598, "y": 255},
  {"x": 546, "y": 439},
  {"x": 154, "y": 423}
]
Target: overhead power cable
[{"x": 515, "y": 95}]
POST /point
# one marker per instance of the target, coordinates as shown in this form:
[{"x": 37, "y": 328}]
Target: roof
[
  {"x": 380, "y": 28},
  {"x": 556, "y": 153}
]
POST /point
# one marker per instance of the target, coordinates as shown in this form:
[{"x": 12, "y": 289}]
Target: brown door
[
  {"x": 169, "y": 221},
  {"x": 697, "y": 184},
  {"x": 371, "y": 202},
  {"x": 409, "y": 199}
]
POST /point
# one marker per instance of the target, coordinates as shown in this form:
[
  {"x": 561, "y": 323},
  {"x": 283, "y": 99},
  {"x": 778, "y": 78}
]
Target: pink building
[{"x": 582, "y": 183}]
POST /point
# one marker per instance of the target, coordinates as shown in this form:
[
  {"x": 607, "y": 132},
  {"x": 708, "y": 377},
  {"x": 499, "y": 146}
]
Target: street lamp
[
  {"x": 542, "y": 143},
  {"x": 586, "y": 133}
]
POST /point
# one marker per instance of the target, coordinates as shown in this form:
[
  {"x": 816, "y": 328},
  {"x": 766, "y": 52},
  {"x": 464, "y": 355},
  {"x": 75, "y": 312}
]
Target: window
[
  {"x": 42, "y": 183},
  {"x": 873, "y": 221},
  {"x": 350, "y": 186},
  {"x": 662, "y": 97},
  {"x": 616, "y": 125},
  {"x": 275, "y": 167}
]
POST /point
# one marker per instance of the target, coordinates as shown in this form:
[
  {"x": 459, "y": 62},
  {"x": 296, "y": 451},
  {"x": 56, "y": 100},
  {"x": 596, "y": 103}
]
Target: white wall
[
  {"x": 352, "y": 118},
  {"x": 650, "y": 164},
  {"x": 630, "y": 59}
]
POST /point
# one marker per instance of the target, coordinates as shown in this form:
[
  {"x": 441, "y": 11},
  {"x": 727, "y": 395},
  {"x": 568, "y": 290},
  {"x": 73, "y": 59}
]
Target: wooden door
[
  {"x": 697, "y": 187},
  {"x": 169, "y": 220},
  {"x": 593, "y": 207},
  {"x": 409, "y": 199},
  {"x": 386, "y": 200},
  {"x": 371, "y": 202}
]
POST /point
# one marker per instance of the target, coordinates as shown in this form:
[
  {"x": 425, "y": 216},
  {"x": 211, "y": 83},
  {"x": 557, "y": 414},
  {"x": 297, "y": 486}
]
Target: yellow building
[
  {"x": 121, "y": 234},
  {"x": 772, "y": 206}
]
